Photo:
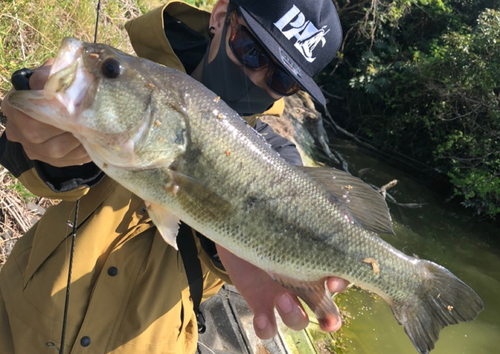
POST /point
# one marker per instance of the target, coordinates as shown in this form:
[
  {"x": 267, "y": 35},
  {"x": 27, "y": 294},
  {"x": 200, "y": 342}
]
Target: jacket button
[
  {"x": 112, "y": 271},
  {"x": 85, "y": 341}
]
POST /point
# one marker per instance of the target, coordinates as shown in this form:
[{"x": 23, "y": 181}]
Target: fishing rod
[
  {"x": 74, "y": 226},
  {"x": 20, "y": 81},
  {"x": 97, "y": 20}
]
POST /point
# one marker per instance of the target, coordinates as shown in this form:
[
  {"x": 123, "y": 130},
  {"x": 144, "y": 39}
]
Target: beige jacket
[{"x": 129, "y": 291}]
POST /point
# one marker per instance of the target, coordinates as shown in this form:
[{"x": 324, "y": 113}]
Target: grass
[{"x": 30, "y": 32}]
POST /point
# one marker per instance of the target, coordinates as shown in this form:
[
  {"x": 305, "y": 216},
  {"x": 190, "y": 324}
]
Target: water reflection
[{"x": 440, "y": 232}]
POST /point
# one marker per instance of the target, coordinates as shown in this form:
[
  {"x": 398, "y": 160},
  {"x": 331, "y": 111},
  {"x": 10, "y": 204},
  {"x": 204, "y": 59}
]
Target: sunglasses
[{"x": 250, "y": 53}]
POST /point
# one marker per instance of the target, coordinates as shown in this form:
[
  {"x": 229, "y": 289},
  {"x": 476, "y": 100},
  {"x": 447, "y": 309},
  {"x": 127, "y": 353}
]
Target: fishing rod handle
[{"x": 20, "y": 79}]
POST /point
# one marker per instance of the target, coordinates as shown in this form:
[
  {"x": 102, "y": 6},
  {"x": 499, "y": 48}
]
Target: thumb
[{"x": 40, "y": 75}]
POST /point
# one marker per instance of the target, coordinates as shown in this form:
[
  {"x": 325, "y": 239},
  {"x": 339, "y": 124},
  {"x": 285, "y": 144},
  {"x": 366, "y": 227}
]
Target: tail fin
[{"x": 441, "y": 300}]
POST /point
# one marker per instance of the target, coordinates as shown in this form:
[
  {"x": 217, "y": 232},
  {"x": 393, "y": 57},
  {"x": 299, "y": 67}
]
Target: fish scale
[{"x": 175, "y": 144}]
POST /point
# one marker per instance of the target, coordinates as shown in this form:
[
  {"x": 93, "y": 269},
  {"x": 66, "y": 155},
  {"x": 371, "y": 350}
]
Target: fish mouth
[
  {"x": 68, "y": 91},
  {"x": 69, "y": 80}
]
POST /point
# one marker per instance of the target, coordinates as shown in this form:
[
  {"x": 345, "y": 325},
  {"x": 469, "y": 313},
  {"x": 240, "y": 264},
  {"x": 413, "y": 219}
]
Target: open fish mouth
[
  {"x": 69, "y": 80},
  {"x": 70, "y": 89}
]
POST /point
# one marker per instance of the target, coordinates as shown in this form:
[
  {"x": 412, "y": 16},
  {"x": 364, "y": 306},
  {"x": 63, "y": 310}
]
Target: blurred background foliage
[{"x": 421, "y": 79}]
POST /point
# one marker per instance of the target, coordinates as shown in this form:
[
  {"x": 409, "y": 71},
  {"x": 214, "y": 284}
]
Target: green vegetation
[
  {"x": 21, "y": 191},
  {"x": 204, "y": 4},
  {"x": 420, "y": 77},
  {"x": 31, "y": 31}
]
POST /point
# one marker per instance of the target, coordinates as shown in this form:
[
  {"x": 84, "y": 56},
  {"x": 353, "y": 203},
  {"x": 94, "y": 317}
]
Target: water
[{"x": 440, "y": 232}]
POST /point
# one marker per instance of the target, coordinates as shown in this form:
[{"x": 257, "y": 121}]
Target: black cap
[{"x": 302, "y": 35}]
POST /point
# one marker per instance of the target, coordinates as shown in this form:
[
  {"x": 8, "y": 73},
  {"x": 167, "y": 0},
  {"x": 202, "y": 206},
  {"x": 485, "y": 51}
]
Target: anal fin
[{"x": 316, "y": 295}]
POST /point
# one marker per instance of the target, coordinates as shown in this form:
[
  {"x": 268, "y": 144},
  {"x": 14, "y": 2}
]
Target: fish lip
[
  {"x": 68, "y": 78},
  {"x": 69, "y": 51}
]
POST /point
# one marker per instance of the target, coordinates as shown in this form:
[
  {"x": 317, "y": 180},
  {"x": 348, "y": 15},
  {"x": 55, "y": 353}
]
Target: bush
[{"x": 425, "y": 84}]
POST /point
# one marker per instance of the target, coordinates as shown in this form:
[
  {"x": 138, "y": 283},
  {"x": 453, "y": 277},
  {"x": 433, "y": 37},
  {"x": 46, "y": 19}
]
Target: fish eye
[{"x": 111, "y": 68}]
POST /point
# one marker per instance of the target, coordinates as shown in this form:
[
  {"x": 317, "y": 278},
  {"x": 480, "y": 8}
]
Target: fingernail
[
  {"x": 285, "y": 303},
  {"x": 330, "y": 324},
  {"x": 338, "y": 285},
  {"x": 335, "y": 285},
  {"x": 261, "y": 322}
]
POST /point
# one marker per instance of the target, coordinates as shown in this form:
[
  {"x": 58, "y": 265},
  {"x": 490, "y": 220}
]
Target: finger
[
  {"x": 40, "y": 75},
  {"x": 332, "y": 322},
  {"x": 67, "y": 163},
  {"x": 58, "y": 147},
  {"x": 336, "y": 285},
  {"x": 291, "y": 312},
  {"x": 264, "y": 327},
  {"x": 264, "y": 320},
  {"x": 79, "y": 154},
  {"x": 26, "y": 130},
  {"x": 264, "y": 316},
  {"x": 257, "y": 288},
  {"x": 75, "y": 157},
  {"x": 44, "y": 142},
  {"x": 62, "y": 150}
]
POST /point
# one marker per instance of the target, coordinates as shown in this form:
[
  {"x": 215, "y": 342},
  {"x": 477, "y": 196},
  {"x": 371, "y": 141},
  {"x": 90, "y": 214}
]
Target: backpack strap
[{"x": 189, "y": 254}]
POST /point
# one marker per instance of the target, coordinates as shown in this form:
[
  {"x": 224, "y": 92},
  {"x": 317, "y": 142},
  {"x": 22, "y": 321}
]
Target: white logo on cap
[{"x": 306, "y": 33}]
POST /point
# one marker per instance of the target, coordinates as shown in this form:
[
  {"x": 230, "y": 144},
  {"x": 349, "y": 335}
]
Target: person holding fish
[
  {"x": 129, "y": 290},
  {"x": 169, "y": 147}
]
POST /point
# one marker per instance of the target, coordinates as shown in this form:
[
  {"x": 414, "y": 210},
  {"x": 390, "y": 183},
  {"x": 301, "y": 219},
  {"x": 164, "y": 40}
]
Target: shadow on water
[{"x": 438, "y": 231}]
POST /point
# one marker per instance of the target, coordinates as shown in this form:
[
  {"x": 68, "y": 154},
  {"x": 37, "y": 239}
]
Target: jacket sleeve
[
  {"x": 287, "y": 150},
  {"x": 44, "y": 180}
]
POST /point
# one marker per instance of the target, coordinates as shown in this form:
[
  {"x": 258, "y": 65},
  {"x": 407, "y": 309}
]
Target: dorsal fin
[{"x": 367, "y": 207}]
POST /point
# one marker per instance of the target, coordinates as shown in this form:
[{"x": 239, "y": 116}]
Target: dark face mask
[{"x": 227, "y": 79}]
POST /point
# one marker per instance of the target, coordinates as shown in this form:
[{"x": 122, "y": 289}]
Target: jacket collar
[{"x": 147, "y": 33}]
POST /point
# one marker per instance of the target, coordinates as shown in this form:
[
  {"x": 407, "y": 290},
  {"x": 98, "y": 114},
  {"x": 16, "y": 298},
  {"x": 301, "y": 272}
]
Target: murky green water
[{"x": 440, "y": 232}]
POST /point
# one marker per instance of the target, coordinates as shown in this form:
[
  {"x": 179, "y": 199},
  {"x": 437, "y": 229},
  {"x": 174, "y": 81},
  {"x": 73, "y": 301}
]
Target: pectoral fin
[
  {"x": 317, "y": 297},
  {"x": 367, "y": 207},
  {"x": 167, "y": 224},
  {"x": 195, "y": 195}
]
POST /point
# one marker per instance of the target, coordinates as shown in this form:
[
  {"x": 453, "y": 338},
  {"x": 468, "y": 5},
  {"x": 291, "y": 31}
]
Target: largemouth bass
[{"x": 172, "y": 142}]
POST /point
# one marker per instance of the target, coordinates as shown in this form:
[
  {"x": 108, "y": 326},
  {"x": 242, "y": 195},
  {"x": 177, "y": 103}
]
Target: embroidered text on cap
[{"x": 294, "y": 24}]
